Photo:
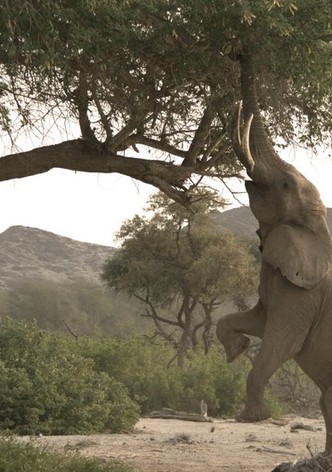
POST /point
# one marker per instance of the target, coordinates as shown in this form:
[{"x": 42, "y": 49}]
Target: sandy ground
[{"x": 181, "y": 446}]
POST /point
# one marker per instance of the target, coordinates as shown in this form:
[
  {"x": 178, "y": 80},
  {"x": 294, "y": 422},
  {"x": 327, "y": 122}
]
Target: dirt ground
[{"x": 159, "y": 445}]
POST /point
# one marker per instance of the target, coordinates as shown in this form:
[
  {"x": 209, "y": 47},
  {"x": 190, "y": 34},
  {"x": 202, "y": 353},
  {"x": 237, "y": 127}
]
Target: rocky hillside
[
  {"x": 243, "y": 224},
  {"x": 239, "y": 221},
  {"x": 36, "y": 254}
]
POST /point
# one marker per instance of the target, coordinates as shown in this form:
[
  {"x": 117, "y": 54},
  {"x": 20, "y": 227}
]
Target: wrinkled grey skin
[{"x": 293, "y": 315}]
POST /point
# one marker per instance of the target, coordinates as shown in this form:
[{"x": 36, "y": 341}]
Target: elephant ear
[{"x": 304, "y": 257}]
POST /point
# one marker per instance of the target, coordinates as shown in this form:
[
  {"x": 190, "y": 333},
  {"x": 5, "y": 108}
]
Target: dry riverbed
[{"x": 167, "y": 445}]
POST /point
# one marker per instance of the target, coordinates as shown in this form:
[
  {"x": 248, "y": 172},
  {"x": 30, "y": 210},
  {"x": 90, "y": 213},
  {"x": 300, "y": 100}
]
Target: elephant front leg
[{"x": 231, "y": 330}]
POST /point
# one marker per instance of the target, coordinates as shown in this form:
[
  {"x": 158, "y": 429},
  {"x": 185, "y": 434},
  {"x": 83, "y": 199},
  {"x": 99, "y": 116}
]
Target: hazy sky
[{"x": 92, "y": 207}]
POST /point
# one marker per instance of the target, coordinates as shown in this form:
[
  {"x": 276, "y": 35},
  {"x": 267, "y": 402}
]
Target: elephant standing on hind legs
[{"x": 293, "y": 316}]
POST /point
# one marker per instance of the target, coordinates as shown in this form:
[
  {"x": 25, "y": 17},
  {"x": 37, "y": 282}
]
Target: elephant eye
[{"x": 285, "y": 186}]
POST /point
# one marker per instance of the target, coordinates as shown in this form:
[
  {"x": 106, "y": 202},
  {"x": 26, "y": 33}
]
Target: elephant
[{"x": 293, "y": 315}]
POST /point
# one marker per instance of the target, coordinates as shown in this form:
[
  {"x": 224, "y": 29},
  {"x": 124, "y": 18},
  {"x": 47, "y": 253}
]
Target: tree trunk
[
  {"x": 183, "y": 346},
  {"x": 188, "y": 309}
]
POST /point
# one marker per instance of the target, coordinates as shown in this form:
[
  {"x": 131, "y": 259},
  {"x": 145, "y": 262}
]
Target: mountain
[
  {"x": 239, "y": 221},
  {"x": 36, "y": 254}
]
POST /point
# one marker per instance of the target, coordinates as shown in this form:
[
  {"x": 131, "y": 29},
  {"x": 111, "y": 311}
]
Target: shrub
[
  {"x": 48, "y": 387},
  {"x": 144, "y": 369},
  {"x": 209, "y": 377}
]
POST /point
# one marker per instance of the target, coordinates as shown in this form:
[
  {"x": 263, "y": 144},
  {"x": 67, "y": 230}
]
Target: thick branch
[
  {"x": 77, "y": 155},
  {"x": 82, "y": 102},
  {"x": 200, "y": 137}
]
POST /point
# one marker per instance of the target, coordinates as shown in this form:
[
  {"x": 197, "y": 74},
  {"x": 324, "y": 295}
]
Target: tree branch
[
  {"x": 153, "y": 313},
  {"x": 78, "y": 155},
  {"x": 82, "y": 102},
  {"x": 154, "y": 143},
  {"x": 200, "y": 137}
]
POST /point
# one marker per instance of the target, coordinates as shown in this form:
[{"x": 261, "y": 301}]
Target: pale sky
[{"x": 92, "y": 207}]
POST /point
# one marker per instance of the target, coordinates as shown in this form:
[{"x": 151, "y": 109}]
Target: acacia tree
[
  {"x": 158, "y": 77},
  {"x": 181, "y": 268}
]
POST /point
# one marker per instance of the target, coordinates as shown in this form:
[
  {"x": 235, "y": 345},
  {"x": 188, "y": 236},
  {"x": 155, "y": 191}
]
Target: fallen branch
[
  {"x": 307, "y": 427},
  {"x": 275, "y": 451},
  {"x": 169, "y": 414}
]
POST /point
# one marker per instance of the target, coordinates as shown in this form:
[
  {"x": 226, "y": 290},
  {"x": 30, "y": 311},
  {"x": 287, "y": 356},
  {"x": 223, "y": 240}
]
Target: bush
[
  {"x": 15, "y": 456},
  {"x": 48, "y": 387},
  {"x": 54, "y": 385},
  {"x": 144, "y": 369}
]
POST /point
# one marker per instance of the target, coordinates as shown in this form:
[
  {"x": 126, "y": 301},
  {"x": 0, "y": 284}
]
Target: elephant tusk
[
  {"x": 241, "y": 145},
  {"x": 245, "y": 144},
  {"x": 238, "y": 123}
]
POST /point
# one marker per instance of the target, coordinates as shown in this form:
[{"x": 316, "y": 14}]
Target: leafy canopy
[
  {"x": 163, "y": 74},
  {"x": 176, "y": 252}
]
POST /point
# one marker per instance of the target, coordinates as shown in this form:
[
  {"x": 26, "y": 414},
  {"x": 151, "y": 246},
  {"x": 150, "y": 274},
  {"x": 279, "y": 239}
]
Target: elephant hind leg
[
  {"x": 326, "y": 406},
  {"x": 276, "y": 348}
]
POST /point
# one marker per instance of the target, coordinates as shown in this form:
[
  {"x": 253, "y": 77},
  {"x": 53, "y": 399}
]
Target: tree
[
  {"x": 158, "y": 77},
  {"x": 180, "y": 268}
]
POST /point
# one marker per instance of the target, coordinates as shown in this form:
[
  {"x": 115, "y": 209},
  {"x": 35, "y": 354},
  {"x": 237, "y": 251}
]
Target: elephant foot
[
  {"x": 234, "y": 343},
  {"x": 254, "y": 414},
  {"x": 235, "y": 346}
]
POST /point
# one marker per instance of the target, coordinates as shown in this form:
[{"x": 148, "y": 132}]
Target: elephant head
[{"x": 292, "y": 218}]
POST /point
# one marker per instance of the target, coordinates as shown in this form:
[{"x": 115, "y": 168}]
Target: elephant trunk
[{"x": 254, "y": 149}]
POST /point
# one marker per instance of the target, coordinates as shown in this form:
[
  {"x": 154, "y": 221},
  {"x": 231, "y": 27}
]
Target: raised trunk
[{"x": 267, "y": 161}]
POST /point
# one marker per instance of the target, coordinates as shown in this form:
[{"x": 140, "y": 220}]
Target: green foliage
[
  {"x": 47, "y": 387},
  {"x": 154, "y": 65},
  {"x": 21, "y": 457},
  {"x": 209, "y": 377},
  {"x": 144, "y": 369},
  {"x": 178, "y": 251},
  {"x": 51, "y": 384}
]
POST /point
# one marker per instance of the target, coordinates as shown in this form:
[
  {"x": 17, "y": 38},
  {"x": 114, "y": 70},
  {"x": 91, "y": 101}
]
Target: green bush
[
  {"x": 19, "y": 457},
  {"x": 52, "y": 384},
  {"x": 48, "y": 387},
  {"x": 136, "y": 363},
  {"x": 211, "y": 378},
  {"x": 144, "y": 369}
]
